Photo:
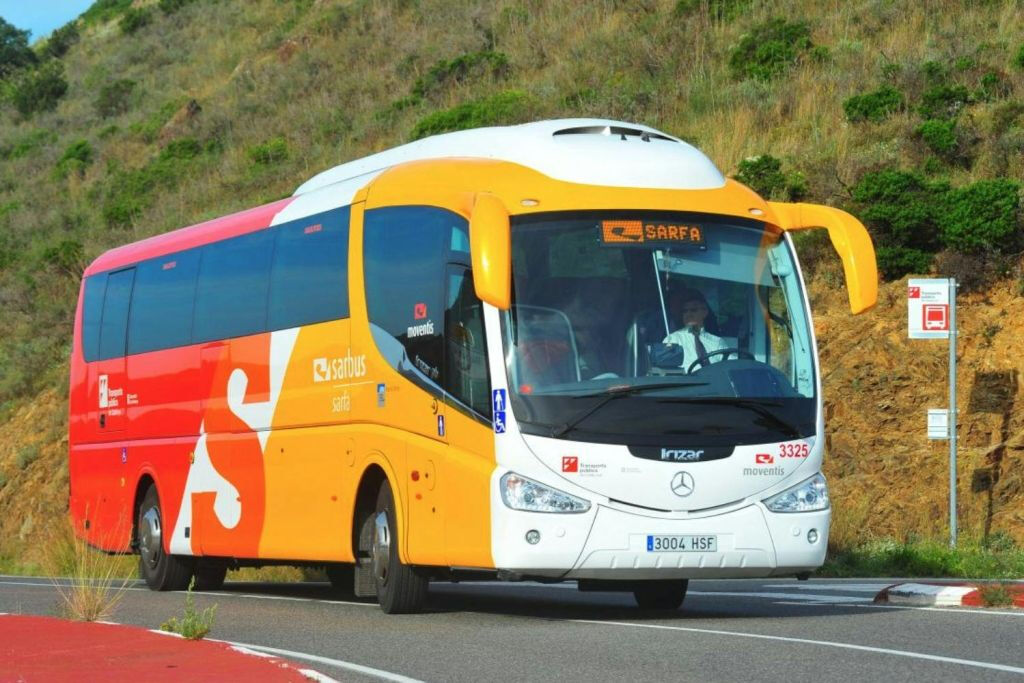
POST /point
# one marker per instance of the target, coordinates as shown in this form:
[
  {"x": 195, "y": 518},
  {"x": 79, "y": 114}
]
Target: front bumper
[{"x": 611, "y": 543}]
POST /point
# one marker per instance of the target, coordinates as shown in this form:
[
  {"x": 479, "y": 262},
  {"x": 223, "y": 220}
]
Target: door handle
[{"x": 103, "y": 420}]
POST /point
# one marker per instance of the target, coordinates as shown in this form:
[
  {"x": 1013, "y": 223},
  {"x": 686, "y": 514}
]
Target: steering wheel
[{"x": 704, "y": 360}]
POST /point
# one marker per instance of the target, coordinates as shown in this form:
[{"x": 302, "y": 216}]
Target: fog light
[
  {"x": 533, "y": 537},
  {"x": 812, "y": 536}
]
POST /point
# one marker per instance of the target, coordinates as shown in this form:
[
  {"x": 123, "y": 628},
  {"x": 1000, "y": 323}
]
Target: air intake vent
[{"x": 621, "y": 131}]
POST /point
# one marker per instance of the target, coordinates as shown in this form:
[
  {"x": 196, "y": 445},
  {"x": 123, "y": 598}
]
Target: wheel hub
[
  {"x": 381, "y": 546},
  {"x": 150, "y": 542}
]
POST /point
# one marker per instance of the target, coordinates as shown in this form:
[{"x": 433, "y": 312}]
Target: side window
[
  {"x": 404, "y": 254},
  {"x": 92, "y": 313},
  {"x": 466, "y": 374},
  {"x": 231, "y": 299},
  {"x": 114, "y": 323},
  {"x": 309, "y": 277},
  {"x": 165, "y": 290}
]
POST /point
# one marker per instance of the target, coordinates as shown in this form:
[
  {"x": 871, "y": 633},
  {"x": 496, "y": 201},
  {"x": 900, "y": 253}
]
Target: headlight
[
  {"x": 807, "y": 496},
  {"x": 520, "y": 493}
]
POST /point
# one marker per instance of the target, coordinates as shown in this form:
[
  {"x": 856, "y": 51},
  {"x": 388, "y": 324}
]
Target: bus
[{"x": 567, "y": 350}]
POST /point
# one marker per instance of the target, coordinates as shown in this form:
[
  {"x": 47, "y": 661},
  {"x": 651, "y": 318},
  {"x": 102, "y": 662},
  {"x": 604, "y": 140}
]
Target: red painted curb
[
  {"x": 971, "y": 599},
  {"x": 49, "y": 649}
]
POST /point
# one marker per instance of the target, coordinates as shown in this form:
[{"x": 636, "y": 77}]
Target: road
[{"x": 766, "y": 630}]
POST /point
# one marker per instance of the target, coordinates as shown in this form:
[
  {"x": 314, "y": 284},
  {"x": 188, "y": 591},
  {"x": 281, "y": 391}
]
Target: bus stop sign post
[{"x": 932, "y": 315}]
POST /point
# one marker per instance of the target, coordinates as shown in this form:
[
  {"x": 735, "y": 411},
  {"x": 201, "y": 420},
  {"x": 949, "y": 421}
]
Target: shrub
[
  {"x": 113, "y": 98},
  {"x": 39, "y": 90},
  {"x": 77, "y": 156},
  {"x": 270, "y": 152},
  {"x": 135, "y": 18},
  {"x": 172, "y": 6},
  {"x": 27, "y": 144},
  {"x": 982, "y": 215},
  {"x": 503, "y": 108},
  {"x": 770, "y": 49},
  {"x": 943, "y": 101},
  {"x": 193, "y": 625},
  {"x": 939, "y": 136},
  {"x": 995, "y": 595},
  {"x": 105, "y": 10},
  {"x": 462, "y": 68},
  {"x": 1018, "y": 59},
  {"x": 15, "y": 53},
  {"x": 764, "y": 175},
  {"x": 894, "y": 262},
  {"x": 61, "y": 40},
  {"x": 901, "y": 207},
  {"x": 874, "y": 106},
  {"x": 27, "y": 455},
  {"x": 67, "y": 256}
]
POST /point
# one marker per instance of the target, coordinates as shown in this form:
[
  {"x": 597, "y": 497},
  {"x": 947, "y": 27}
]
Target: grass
[
  {"x": 995, "y": 595},
  {"x": 193, "y": 625},
  {"x": 888, "y": 557},
  {"x": 97, "y": 581}
]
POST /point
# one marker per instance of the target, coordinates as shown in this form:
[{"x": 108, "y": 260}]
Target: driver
[{"x": 689, "y": 306}]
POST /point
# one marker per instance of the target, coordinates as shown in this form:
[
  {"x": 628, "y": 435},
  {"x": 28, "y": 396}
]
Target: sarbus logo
[{"x": 334, "y": 369}]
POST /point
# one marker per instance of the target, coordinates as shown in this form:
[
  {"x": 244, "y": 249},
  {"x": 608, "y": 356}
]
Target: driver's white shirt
[{"x": 684, "y": 338}]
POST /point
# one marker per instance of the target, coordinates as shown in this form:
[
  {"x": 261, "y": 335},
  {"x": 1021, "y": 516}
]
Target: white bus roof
[{"x": 585, "y": 151}]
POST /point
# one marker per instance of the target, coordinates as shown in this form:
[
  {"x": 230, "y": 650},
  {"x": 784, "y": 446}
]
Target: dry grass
[{"x": 90, "y": 583}]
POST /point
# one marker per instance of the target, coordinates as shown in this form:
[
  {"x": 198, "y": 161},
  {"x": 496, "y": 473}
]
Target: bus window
[
  {"x": 404, "y": 250},
  {"x": 231, "y": 300},
  {"x": 115, "y": 313},
  {"x": 161, "y": 316},
  {"x": 466, "y": 373},
  {"x": 309, "y": 277},
  {"x": 92, "y": 311}
]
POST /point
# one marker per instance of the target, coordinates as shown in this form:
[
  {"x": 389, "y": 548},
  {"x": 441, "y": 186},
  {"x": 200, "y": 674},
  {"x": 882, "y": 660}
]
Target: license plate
[{"x": 682, "y": 544}]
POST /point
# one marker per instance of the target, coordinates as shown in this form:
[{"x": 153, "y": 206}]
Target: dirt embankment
[{"x": 886, "y": 478}]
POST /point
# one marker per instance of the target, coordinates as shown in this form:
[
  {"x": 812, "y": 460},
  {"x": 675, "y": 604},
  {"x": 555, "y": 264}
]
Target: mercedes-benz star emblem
[{"x": 682, "y": 484}]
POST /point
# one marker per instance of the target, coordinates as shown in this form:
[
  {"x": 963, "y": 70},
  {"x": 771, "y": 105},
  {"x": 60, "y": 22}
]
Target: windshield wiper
[
  {"x": 759, "y": 407},
  {"x": 612, "y": 393}
]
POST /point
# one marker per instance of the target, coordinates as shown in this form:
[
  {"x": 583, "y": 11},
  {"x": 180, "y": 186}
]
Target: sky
[{"x": 41, "y": 16}]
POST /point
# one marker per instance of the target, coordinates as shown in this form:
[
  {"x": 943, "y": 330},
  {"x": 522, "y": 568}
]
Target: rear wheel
[
  {"x": 209, "y": 577},
  {"x": 400, "y": 589},
  {"x": 661, "y": 594},
  {"x": 162, "y": 572}
]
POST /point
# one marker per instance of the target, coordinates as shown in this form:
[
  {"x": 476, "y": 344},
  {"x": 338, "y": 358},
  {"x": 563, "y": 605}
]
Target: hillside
[{"x": 910, "y": 115}]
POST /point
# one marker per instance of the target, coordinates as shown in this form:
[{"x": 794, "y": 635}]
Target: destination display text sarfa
[{"x": 627, "y": 232}]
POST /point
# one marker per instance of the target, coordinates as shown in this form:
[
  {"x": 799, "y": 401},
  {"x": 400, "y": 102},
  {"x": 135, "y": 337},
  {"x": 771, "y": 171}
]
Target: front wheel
[
  {"x": 162, "y": 572},
  {"x": 661, "y": 594},
  {"x": 400, "y": 589}
]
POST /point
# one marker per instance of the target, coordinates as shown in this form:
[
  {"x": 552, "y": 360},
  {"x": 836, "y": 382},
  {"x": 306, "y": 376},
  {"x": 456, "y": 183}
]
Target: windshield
[{"x": 651, "y": 328}]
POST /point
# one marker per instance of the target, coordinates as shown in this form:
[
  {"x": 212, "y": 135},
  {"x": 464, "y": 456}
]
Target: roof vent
[{"x": 621, "y": 131}]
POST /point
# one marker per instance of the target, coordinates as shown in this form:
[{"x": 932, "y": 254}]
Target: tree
[{"x": 14, "y": 50}]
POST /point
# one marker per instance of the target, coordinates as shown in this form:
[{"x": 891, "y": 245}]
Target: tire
[
  {"x": 400, "y": 589},
  {"x": 661, "y": 594},
  {"x": 161, "y": 572},
  {"x": 342, "y": 578},
  {"x": 209, "y": 577}
]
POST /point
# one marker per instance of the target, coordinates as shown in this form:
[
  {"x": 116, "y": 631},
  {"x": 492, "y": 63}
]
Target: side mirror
[
  {"x": 849, "y": 238},
  {"x": 490, "y": 243}
]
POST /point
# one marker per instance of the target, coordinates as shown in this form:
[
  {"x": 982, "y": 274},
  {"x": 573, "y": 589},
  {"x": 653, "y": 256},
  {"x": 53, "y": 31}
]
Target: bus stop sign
[{"x": 928, "y": 308}]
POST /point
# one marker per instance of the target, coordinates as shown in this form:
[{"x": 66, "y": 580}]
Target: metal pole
[{"x": 952, "y": 412}]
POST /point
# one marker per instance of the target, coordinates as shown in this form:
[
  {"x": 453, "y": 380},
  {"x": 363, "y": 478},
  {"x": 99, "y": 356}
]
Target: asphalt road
[{"x": 768, "y": 630}]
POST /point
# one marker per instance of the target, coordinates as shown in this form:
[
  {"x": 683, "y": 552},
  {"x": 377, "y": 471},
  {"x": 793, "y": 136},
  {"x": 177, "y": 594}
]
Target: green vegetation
[
  {"x": 38, "y": 90},
  {"x": 770, "y": 49},
  {"x": 76, "y": 158},
  {"x": 939, "y": 135},
  {"x": 764, "y": 175},
  {"x": 718, "y": 10},
  {"x": 14, "y": 50},
  {"x": 60, "y": 41},
  {"x": 27, "y": 455},
  {"x": 506, "y": 107},
  {"x": 135, "y": 18},
  {"x": 874, "y": 106},
  {"x": 924, "y": 559},
  {"x": 105, "y": 10},
  {"x": 995, "y": 595},
  {"x": 273, "y": 151},
  {"x": 194, "y": 625},
  {"x": 172, "y": 6},
  {"x": 114, "y": 98},
  {"x": 982, "y": 216}
]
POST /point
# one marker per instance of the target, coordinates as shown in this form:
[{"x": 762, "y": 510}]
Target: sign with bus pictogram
[{"x": 928, "y": 309}]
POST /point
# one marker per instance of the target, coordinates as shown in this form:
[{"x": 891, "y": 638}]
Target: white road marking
[
  {"x": 954, "y": 610},
  {"x": 815, "y": 586},
  {"x": 341, "y": 664},
  {"x": 805, "y": 597},
  {"x": 807, "y": 641}
]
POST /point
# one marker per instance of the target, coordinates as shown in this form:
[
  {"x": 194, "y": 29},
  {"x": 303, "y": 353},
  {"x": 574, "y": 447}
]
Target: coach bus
[{"x": 563, "y": 350}]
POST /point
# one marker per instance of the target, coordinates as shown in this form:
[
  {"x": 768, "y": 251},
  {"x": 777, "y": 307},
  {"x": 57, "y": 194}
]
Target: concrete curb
[{"x": 929, "y": 594}]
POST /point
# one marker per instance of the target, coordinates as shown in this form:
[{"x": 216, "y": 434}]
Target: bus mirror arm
[
  {"x": 849, "y": 238},
  {"x": 490, "y": 244}
]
